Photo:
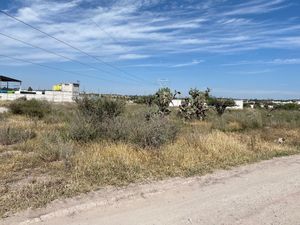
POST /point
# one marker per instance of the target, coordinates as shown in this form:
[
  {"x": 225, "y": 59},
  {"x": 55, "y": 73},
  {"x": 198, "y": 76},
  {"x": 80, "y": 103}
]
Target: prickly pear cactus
[
  {"x": 163, "y": 98},
  {"x": 195, "y": 106}
]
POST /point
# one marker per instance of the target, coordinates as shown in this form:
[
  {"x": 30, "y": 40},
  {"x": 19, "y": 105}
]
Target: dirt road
[{"x": 262, "y": 193}]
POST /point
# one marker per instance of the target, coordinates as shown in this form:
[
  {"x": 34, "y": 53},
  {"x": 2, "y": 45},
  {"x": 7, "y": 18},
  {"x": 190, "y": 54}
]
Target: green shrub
[
  {"x": 153, "y": 133},
  {"x": 93, "y": 118},
  {"x": 146, "y": 100},
  {"x": 12, "y": 135},
  {"x": 31, "y": 108},
  {"x": 135, "y": 129},
  {"x": 289, "y": 106},
  {"x": 98, "y": 109},
  {"x": 145, "y": 133},
  {"x": 81, "y": 129}
]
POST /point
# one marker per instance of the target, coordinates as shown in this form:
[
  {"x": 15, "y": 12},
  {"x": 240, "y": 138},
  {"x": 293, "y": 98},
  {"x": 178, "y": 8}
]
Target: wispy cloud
[
  {"x": 256, "y": 7},
  {"x": 251, "y": 72},
  {"x": 287, "y": 61},
  {"x": 193, "y": 63},
  {"x": 168, "y": 65},
  {"x": 133, "y": 56},
  {"x": 133, "y": 29}
]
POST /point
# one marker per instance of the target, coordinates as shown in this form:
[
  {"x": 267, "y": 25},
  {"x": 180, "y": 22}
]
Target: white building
[
  {"x": 66, "y": 92},
  {"x": 239, "y": 104},
  {"x": 175, "y": 103}
]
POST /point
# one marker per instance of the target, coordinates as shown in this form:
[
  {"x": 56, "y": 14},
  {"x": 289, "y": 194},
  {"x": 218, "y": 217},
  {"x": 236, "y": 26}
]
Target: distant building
[
  {"x": 175, "y": 103},
  {"x": 9, "y": 85},
  {"x": 10, "y": 89},
  {"x": 239, "y": 104},
  {"x": 68, "y": 87}
]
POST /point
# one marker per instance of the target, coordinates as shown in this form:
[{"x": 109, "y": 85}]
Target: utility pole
[{"x": 163, "y": 83}]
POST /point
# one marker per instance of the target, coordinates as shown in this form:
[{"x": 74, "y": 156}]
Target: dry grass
[{"x": 37, "y": 171}]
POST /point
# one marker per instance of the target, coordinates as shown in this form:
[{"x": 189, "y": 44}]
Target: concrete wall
[{"x": 51, "y": 96}]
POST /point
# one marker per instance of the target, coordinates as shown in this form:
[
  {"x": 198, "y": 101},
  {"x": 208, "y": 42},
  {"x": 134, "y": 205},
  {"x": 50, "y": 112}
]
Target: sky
[{"x": 239, "y": 49}]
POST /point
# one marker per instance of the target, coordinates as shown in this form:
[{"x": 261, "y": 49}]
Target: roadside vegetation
[{"x": 50, "y": 151}]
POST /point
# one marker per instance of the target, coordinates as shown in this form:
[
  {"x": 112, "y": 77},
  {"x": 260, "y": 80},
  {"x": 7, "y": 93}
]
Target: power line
[
  {"x": 63, "y": 42},
  {"x": 115, "y": 40},
  {"x": 57, "y": 69},
  {"x": 53, "y": 53},
  {"x": 104, "y": 31}
]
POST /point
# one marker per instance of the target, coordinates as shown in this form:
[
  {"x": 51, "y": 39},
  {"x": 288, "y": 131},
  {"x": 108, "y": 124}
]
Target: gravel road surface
[{"x": 264, "y": 193}]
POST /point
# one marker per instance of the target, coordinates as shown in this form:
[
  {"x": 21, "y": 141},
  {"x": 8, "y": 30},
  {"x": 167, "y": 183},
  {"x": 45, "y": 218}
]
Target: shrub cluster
[
  {"x": 31, "y": 108},
  {"x": 146, "y": 100},
  {"x": 153, "y": 132},
  {"x": 92, "y": 116},
  {"x": 238, "y": 120},
  {"x": 104, "y": 119},
  {"x": 289, "y": 106}
]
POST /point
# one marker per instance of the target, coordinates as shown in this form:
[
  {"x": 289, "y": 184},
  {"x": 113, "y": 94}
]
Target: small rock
[{"x": 281, "y": 140}]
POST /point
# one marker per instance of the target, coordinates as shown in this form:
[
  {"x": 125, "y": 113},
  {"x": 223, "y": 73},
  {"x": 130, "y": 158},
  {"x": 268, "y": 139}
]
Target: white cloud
[
  {"x": 252, "y": 71},
  {"x": 122, "y": 30},
  {"x": 193, "y": 63},
  {"x": 286, "y": 61},
  {"x": 256, "y": 7},
  {"x": 168, "y": 65},
  {"x": 133, "y": 56},
  {"x": 28, "y": 15}
]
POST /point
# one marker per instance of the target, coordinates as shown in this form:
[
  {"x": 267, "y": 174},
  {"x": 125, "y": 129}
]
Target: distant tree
[
  {"x": 247, "y": 105},
  {"x": 267, "y": 104},
  {"x": 147, "y": 100},
  {"x": 220, "y": 104},
  {"x": 288, "y": 106},
  {"x": 257, "y": 104},
  {"x": 30, "y": 89}
]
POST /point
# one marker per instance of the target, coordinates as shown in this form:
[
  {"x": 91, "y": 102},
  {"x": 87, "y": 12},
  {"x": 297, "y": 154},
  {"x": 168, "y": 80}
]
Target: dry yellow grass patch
[
  {"x": 40, "y": 170},
  {"x": 195, "y": 153}
]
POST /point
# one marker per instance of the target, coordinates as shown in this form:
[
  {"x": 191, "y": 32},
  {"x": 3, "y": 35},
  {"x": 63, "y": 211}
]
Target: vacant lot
[{"x": 59, "y": 151}]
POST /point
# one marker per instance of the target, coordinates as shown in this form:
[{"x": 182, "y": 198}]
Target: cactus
[
  {"x": 163, "y": 99},
  {"x": 195, "y": 106}
]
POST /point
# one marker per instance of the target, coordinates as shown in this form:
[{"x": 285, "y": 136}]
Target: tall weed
[{"x": 31, "y": 108}]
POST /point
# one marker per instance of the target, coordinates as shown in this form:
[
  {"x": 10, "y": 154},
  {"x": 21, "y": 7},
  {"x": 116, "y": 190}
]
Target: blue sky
[{"x": 241, "y": 49}]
